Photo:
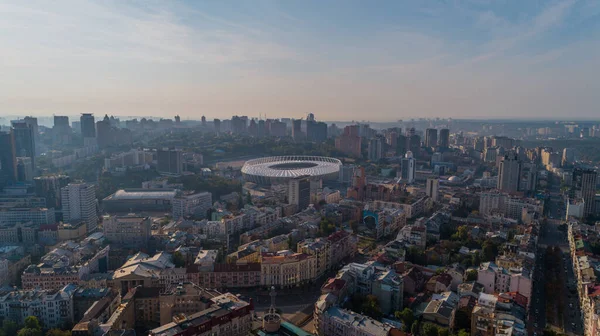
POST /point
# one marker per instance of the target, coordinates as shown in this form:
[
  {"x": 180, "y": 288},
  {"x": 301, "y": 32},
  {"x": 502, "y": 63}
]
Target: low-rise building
[
  {"x": 287, "y": 269},
  {"x": 331, "y": 320},
  {"x": 191, "y": 204}
]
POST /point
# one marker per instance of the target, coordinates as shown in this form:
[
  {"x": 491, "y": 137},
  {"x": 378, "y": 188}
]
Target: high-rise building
[
  {"x": 316, "y": 131},
  {"x": 170, "y": 161},
  {"x": 432, "y": 188},
  {"x": 61, "y": 122},
  {"x": 401, "y": 145},
  {"x": 24, "y": 141},
  {"x": 24, "y": 169},
  {"x": 431, "y": 137},
  {"x": 104, "y": 135},
  {"x": 299, "y": 192},
  {"x": 444, "y": 138},
  {"x": 414, "y": 144},
  {"x": 217, "y": 125},
  {"x": 79, "y": 204},
  {"x": 88, "y": 125},
  {"x": 568, "y": 157},
  {"x": 509, "y": 174},
  {"x": 61, "y": 132},
  {"x": 349, "y": 142},
  {"x": 408, "y": 168},
  {"x": 297, "y": 130},
  {"x": 50, "y": 187},
  {"x": 528, "y": 177},
  {"x": 8, "y": 160},
  {"x": 584, "y": 184},
  {"x": 375, "y": 150},
  {"x": 278, "y": 128}
]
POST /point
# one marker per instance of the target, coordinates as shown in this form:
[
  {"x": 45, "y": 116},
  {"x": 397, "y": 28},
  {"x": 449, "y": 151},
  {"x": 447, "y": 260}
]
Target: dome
[{"x": 454, "y": 179}]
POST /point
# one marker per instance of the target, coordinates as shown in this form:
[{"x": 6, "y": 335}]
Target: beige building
[
  {"x": 184, "y": 298},
  {"x": 131, "y": 230},
  {"x": 287, "y": 269},
  {"x": 68, "y": 231}
]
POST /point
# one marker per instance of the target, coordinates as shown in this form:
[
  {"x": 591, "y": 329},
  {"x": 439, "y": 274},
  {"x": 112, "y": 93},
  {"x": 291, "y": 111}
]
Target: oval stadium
[{"x": 280, "y": 169}]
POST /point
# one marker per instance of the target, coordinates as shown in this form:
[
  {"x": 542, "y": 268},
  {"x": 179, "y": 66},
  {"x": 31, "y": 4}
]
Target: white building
[
  {"x": 408, "y": 168},
  {"x": 193, "y": 204},
  {"x": 79, "y": 204},
  {"x": 54, "y": 309}
]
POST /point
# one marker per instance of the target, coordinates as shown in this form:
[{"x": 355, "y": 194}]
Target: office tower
[
  {"x": 239, "y": 124},
  {"x": 584, "y": 184},
  {"x": 432, "y": 188},
  {"x": 299, "y": 192},
  {"x": 479, "y": 144},
  {"x": 528, "y": 177},
  {"x": 24, "y": 169},
  {"x": 262, "y": 129},
  {"x": 24, "y": 141},
  {"x": 178, "y": 119},
  {"x": 297, "y": 134},
  {"x": 408, "y": 168},
  {"x": 203, "y": 121},
  {"x": 217, "y": 125},
  {"x": 8, "y": 160},
  {"x": 253, "y": 128},
  {"x": 375, "y": 150},
  {"x": 33, "y": 124},
  {"x": 316, "y": 131},
  {"x": 79, "y": 204},
  {"x": 401, "y": 145},
  {"x": 310, "y": 117},
  {"x": 277, "y": 128},
  {"x": 391, "y": 139},
  {"x": 88, "y": 125},
  {"x": 444, "y": 138},
  {"x": 104, "y": 136},
  {"x": 50, "y": 187},
  {"x": 61, "y": 122},
  {"x": 61, "y": 132},
  {"x": 509, "y": 174},
  {"x": 414, "y": 144},
  {"x": 431, "y": 138},
  {"x": 568, "y": 157},
  {"x": 170, "y": 161},
  {"x": 349, "y": 142}
]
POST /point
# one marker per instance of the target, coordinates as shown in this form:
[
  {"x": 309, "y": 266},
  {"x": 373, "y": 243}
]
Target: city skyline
[{"x": 339, "y": 60}]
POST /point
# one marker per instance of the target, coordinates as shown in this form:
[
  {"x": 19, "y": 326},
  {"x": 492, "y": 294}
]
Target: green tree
[
  {"x": 29, "y": 332},
  {"x": 476, "y": 259},
  {"x": 407, "y": 317},
  {"x": 471, "y": 275},
  {"x": 443, "y": 332},
  {"x": 58, "y": 332},
  {"x": 463, "y": 332},
  {"x": 414, "y": 328},
  {"x": 463, "y": 233},
  {"x": 9, "y": 327},
  {"x": 32, "y": 322},
  {"x": 371, "y": 307},
  {"x": 462, "y": 320},
  {"x": 489, "y": 251},
  {"x": 430, "y": 329},
  {"x": 178, "y": 259}
]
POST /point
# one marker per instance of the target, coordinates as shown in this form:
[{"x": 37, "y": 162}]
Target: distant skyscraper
[
  {"x": 297, "y": 130},
  {"x": 444, "y": 138},
  {"x": 432, "y": 188},
  {"x": 316, "y": 131},
  {"x": 61, "y": 122},
  {"x": 203, "y": 121},
  {"x": 104, "y": 135},
  {"x": 414, "y": 144},
  {"x": 568, "y": 157},
  {"x": 24, "y": 141},
  {"x": 50, "y": 187},
  {"x": 178, "y": 119},
  {"x": 584, "y": 183},
  {"x": 277, "y": 128},
  {"x": 169, "y": 161},
  {"x": 310, "y": 117},
  {"x": 509, "y": 174},
  {"x": 431, "y": 138},
  {"x": 349, "y": 142},
  {"x": 375, "y": 150},
  {"x": 408, "y": 168},
  {"x": 401, "y": 145},
  {"x": 217, "y": 125},
  {"x": 88, "y": 125},
  {"x": 79, "y": 204},
  {"x": 299, "y": 192},
  {"x": 8, "y": 161}
]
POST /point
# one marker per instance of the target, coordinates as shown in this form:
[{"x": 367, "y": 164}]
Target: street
[{"x": 551, "y": 236}]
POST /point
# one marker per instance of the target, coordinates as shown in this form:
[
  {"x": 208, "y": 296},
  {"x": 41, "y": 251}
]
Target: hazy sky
[{"x": 364, "y": 60}]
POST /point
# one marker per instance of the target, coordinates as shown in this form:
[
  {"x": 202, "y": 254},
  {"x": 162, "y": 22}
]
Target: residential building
[
  {"x": 50, "y": 187},
  {"x": 79, "y": 204},
  {"x": 413, "y": 235},
  {"x": 132, "y": 231},
  {"x": 375, "y": 149},
  {"x": 88, "y": 125},
  {"x": 509, "y": 174},
  {"x": 24, "y": 137},
  {"x": 584, "y": 185},
  {"x": 227, "y": 315},
  {"x": 157, "y": 271},
  {"x": 54, "y": 309},
  {"x": 444, "y": 138},
  {"x": 299, "y": 192},
  {"x": 331, "y": 320},
  {"x": 431, "y": 137},
  {"x": 408, "y": 168},
  {"x": 184, "y": 298},
  {"x": 8, "y": 158},
  {"x": 37, "y": 216},
  {"x": 245, "y": 275},
  {"x": 432, "y": 188},
  {"x": 191, "y": 204},
  {"x": 169, "y": 161},
  {"x": 350, "y": 141},
  {"x": 287, "y": 269}
]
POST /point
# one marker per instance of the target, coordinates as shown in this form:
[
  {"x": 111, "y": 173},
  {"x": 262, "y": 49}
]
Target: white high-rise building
[
  {"x": 408, "y": 168},
  {"x": 79, "y": 204}
]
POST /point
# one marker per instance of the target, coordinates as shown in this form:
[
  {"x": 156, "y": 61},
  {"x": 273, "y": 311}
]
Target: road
[{"x": 552, "y": 236}]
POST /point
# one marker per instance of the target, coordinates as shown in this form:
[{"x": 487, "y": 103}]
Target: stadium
[{"x": 281, "y": 169}]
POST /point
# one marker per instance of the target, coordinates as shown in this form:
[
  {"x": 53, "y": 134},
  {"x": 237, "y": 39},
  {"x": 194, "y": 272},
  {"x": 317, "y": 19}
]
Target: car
[{"x": 535, "y": 324}]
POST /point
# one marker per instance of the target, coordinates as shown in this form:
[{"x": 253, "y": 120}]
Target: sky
[{"x": 341, "y": 60}]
